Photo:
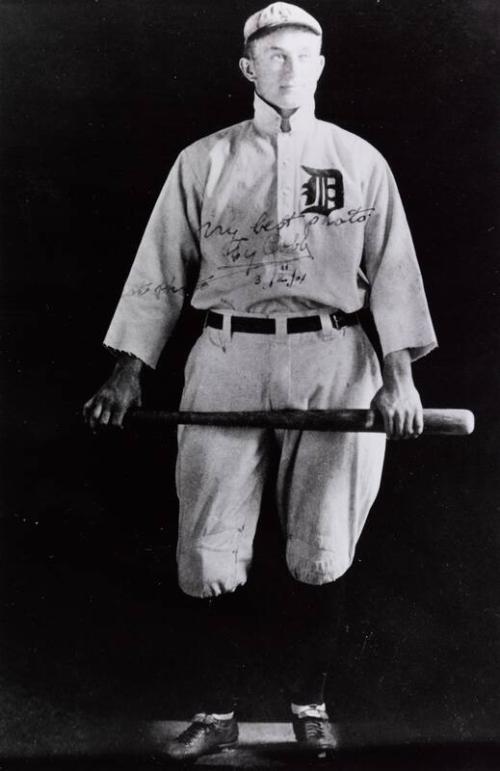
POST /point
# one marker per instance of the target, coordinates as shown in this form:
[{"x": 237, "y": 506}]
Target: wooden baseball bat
[{"x": 436, "y": 421}]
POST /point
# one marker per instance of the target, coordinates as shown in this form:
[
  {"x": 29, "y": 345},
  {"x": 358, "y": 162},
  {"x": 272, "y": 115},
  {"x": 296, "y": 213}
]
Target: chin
[
  {"x": 289, "y": 102},
  {"x": 293, "y": 100}
]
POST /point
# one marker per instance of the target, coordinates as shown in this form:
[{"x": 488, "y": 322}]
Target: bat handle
[{"x": 450, "y": 421}]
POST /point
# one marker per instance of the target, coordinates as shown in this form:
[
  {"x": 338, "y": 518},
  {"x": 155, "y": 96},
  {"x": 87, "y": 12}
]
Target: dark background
[{"x": 98, "y": 98}]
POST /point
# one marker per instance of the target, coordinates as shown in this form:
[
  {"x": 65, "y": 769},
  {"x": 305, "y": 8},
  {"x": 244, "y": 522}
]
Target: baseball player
[{"x": 282, "y": 228}]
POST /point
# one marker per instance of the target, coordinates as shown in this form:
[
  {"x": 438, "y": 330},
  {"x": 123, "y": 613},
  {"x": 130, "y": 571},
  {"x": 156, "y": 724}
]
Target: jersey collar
[{"x": 268, "y": 120}]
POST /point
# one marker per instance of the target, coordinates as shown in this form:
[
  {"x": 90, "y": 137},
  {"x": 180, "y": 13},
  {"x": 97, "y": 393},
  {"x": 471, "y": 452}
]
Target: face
[{"x": 285, "y": 67}]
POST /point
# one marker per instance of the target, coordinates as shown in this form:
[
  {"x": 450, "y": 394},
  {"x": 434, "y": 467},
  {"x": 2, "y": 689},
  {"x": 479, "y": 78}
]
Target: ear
[
  {"x": 321, "y": 65},
  {"x": 246, "y": 66}
]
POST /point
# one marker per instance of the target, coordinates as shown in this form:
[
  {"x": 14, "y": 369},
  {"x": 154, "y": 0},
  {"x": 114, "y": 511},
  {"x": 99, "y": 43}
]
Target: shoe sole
[
  {"x": 227, "y": 746},
  {"x": 311, "y": 748}
]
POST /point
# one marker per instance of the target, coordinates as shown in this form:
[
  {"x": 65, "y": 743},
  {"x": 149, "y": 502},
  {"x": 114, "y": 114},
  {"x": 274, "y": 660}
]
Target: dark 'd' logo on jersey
[{"x": 323, "y": 191}]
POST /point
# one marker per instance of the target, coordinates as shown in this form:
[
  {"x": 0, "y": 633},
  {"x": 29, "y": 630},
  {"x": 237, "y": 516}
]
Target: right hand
[{"x": 118, "y": 394}]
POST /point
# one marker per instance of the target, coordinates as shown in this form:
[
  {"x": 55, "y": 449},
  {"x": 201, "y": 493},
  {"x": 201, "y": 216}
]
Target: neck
[{"x": 285, "y": 112}]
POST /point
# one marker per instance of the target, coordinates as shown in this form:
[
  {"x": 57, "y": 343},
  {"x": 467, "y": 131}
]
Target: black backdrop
[{"x": 98, "y": 98}]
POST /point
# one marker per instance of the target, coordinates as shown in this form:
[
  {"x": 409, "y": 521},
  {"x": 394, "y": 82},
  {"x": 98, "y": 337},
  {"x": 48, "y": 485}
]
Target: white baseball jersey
[
  {"x": 257, "y": 220},
  {"x": 262, "y": 221}
]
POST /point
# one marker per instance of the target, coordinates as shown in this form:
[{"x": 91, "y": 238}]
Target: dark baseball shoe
[
  {"x": 206, "y": 734},
  {"x": 313, "y": 730}
]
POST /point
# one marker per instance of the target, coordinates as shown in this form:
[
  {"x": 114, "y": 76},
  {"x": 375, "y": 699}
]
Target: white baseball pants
[{"x": 326, "y": 481}]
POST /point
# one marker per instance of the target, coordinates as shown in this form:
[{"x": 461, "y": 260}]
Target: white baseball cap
[{"x": 279, "y": 15}]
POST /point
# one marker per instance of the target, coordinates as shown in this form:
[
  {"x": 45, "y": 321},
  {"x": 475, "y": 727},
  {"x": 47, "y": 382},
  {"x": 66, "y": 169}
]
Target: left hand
[{"x": 398, "y": 400}]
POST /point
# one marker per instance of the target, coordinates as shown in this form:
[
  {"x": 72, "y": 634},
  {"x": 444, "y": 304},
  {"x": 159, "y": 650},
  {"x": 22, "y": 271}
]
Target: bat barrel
[{"x": 446, "y": 422}]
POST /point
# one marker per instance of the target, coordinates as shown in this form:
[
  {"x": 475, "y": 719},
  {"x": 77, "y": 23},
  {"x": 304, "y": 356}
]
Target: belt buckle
[{"x": 335, "y": 320}]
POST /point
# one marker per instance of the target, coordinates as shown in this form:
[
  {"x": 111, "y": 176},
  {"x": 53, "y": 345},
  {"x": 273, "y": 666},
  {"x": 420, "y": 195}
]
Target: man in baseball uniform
[{"x": 281, "y": 228}]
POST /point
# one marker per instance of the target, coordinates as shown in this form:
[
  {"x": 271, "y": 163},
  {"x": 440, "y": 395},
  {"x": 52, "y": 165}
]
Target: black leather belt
[{"x": 259, "y": 326}]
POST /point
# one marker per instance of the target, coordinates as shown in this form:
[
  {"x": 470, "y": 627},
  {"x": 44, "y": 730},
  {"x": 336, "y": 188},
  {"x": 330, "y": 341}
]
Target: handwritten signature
[
  {"x": 143, "y": 288},
  {"x": 241, "y": 254},
  {"x": 267, "y": 225},
  {"x": 282, "y": 276},
  {"x": 239, "y": 249}
]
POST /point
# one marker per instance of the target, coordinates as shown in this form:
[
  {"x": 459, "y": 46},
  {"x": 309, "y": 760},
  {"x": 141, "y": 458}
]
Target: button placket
[{"x": 285, "y": 182}]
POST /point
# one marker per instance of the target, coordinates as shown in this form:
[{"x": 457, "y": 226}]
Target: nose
[{"x": 290, "y": 65}]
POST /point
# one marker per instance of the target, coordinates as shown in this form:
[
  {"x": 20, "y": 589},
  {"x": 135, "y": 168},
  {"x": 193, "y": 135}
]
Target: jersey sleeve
[
  {"x": 397, "y": 297},
  {"x": 166, "y": 262}
]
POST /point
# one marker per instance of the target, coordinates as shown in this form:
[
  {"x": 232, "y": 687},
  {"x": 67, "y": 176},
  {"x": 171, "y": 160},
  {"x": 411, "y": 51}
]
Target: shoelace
[
  {"x": 192, "y": 732},
  {"x": 314, "y": 727},
  {"x": 202, "y": 723}
]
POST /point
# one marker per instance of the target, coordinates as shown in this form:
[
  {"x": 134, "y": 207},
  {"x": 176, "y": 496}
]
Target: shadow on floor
[{"x": 470, "y": 757}]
